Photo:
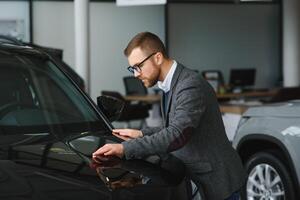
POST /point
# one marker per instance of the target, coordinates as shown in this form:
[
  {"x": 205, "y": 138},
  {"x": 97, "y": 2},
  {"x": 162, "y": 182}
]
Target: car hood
[
  {"x": 119, "y": 173},
  {"x": 29, "y": 183},
  {"x": 158, "y": 171},
  {"x": 284, "y": 109},
  {"x": 33, "y": 183}
]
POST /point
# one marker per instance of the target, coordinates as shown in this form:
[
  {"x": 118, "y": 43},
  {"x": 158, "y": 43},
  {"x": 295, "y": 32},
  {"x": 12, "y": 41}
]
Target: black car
[{"x": 48, "y": 130}]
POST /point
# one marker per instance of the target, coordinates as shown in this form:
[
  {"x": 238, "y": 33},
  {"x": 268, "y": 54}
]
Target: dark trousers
[{"x": 234, "y": 196}]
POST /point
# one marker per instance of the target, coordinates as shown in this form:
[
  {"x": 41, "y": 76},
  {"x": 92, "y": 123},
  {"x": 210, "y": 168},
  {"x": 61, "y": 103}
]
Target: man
[{"x": 193, "y": 130}]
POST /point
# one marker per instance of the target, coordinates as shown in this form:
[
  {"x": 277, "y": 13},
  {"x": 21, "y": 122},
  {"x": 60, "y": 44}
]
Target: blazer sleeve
[
  {"x": 190, "y": 106},
  {"x": 150, "y": 130}
]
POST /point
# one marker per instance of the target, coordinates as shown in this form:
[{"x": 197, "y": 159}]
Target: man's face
[{"x": 149, "y": 70}]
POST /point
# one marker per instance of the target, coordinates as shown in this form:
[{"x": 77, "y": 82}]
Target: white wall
[
  {"x": 111, "y": 27},
  {"x": 16, "y": 10},
  {"x": 53, "y": 26},
  {"x": 291, "y": 43},
  {"x": 225, "y": 36}
]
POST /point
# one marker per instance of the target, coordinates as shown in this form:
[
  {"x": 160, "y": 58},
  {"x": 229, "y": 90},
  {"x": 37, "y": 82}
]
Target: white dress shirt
[{"x": 165, "y": 85}]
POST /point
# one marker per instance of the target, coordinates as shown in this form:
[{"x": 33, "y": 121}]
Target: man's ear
[{"x": 159, "y": 58}]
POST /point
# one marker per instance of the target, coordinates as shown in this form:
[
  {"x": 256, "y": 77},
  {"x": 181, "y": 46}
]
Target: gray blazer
[{"x": 193, "y": 131}]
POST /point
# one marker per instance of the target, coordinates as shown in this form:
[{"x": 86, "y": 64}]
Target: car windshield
[{"x": 36, "y": 96}]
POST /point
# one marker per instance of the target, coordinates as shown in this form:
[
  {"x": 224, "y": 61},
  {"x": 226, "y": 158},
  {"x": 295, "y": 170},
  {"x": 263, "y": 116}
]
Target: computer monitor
[{"x": 242, "y": 78}]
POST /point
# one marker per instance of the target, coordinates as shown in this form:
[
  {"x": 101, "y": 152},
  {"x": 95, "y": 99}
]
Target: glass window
[{"x": 34, "y": 93}]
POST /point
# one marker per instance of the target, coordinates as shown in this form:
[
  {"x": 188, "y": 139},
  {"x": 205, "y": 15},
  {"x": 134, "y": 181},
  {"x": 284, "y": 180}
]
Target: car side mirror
[{"x": 111, "y": 107}]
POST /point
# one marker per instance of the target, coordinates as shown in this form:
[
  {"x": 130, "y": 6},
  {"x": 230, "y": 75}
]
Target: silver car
[{"x": 268, "y": 141}]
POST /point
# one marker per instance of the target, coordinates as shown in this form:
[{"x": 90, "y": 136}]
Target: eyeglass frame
[{"x": 138, "y": 67}]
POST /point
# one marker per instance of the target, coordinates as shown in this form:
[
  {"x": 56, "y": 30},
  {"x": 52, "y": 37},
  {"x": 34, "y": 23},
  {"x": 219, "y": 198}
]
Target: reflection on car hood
[
  {"x": 29, "y": 183},
  {"x": 118, "y": 173},
  {"x": 284, "y": 109}
]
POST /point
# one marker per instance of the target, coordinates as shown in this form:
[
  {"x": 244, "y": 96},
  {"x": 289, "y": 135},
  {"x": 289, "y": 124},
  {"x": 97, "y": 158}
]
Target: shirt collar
[{"x": 166, "y": 84}]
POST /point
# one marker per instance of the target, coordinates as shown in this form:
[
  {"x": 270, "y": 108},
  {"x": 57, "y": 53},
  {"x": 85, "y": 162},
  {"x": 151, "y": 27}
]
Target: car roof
[{"x": 21, "y": 50}]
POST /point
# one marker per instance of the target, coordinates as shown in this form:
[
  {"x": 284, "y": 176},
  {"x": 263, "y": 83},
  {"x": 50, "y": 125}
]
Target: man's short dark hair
[{"x": 148, "y": 42}]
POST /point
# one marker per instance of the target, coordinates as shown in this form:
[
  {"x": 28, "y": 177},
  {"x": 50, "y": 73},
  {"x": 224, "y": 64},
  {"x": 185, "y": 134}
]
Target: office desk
[
  {"x": 150, "y": 98},
  {"x": 234, "y": 109},
  {"x": 154, "y": 98},
  {"x": 256, "y": 94}
]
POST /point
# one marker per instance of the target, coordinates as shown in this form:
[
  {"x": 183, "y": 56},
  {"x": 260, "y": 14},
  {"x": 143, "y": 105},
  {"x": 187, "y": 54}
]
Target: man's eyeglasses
[{"x": 137, "y": 67}]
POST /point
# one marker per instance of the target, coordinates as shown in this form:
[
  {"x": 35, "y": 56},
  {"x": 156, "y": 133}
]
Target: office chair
[
  {"x": 130, "y": 111},
  {"x": 134, "y": 86},
  {"x": 214, "y": 78}
]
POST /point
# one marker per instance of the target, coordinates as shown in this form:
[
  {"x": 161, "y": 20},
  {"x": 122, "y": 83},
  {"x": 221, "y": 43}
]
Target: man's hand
[
  {"x": 109, "y": 150},
  {"x": 105, "y": 161},
  {"x": 127, "y": 134}
]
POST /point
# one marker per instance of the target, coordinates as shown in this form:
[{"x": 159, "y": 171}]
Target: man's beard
[{"x": 150, "y": 83}]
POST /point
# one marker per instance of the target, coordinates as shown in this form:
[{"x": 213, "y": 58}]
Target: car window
[{"x": 34, "y": 92}]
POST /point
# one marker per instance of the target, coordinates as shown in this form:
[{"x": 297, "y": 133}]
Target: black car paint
[{"x": 45, "y": 165}]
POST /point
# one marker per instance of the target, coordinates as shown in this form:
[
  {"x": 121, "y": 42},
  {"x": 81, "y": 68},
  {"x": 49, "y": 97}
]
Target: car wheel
[{"x": 268, "y": 178}]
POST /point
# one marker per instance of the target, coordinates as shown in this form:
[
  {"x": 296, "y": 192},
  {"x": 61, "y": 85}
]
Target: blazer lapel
[
  {"x": 170, "y": 96},
  {"x": 162, "y": 108}
]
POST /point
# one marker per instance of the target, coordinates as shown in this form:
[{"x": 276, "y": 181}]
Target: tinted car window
[{"x": 40, "y": 95}]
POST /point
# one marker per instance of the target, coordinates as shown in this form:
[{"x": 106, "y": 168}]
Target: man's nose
[{"x": 136, "y": 74}]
